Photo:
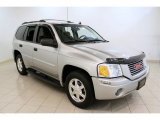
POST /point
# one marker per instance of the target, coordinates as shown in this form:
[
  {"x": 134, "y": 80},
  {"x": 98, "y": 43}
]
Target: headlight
[{"x": 109, "y": 70}]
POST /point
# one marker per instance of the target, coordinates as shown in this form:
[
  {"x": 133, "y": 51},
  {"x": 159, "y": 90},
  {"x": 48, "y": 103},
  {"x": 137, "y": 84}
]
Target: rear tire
[
  {"x": 20, "y": 65},
  {"x": 79, "y": 89}
]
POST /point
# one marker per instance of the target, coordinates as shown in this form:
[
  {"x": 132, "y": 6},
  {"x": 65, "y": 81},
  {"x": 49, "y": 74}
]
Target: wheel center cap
[{"x": 77, "y": 90}]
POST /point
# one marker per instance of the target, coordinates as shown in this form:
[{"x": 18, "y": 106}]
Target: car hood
[{"x": 107, "y": 50}]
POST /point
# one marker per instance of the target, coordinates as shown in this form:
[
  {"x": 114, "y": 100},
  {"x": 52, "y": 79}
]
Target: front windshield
[{"x": 71, "y": 33}]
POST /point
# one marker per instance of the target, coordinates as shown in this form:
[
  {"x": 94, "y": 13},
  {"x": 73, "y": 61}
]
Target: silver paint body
[{"x": 86, "y": 56}]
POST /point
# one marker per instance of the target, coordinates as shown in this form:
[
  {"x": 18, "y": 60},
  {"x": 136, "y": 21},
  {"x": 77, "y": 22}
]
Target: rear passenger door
[
  {"x": 27, "y": 46},
  {"x": 45, "y": 57}
]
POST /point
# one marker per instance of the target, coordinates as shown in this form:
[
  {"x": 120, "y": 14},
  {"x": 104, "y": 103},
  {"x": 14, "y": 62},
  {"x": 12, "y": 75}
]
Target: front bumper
[{"x": 108, "y": 88}]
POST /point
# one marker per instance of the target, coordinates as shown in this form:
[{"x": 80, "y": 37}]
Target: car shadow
[{"x": 106, "y": 106}]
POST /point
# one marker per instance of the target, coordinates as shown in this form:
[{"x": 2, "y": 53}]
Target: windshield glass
[{"x": 71, "y": 33}]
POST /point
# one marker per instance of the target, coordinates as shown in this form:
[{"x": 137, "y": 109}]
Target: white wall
[
  {"x": 11, "y": 18},
  {"x": 137, "y": 28}
]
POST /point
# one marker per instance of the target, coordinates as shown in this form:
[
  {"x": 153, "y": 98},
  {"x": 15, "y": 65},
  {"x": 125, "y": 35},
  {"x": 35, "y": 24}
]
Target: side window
[
  {"x": 43, "y": 32},
  {"x": 30, "y": 33},
  {"x": 20, "y": 33}
]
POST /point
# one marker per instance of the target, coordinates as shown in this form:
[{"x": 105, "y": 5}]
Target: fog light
[{"x": 119, "y": 91}]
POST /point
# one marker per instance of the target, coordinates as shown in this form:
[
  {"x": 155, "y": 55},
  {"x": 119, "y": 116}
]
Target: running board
[{"x": 44, "y": 77}]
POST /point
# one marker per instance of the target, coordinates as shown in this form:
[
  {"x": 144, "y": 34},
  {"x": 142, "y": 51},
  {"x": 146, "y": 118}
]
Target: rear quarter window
[{"x": 20, "y": 33}]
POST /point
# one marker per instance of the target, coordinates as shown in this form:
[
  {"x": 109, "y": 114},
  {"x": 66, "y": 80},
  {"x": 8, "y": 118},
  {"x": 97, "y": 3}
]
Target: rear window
[{"x": 20, "y": 33}]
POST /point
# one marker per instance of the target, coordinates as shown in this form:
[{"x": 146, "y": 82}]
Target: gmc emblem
[{"x": 137, "y": 66}]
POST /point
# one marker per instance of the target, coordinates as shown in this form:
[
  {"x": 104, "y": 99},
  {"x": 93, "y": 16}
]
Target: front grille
[{"x": 132, "y": 67}]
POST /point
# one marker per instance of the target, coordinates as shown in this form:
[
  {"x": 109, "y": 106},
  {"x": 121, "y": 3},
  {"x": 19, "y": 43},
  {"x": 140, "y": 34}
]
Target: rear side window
[
  {"x": 20, "y": 33},
  {"x": 30, "y": 33}
]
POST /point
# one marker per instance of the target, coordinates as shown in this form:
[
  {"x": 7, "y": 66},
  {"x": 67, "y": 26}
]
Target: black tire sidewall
[
  {"x": 88, "y": 87},
  {"x": 23, "y": 72}
]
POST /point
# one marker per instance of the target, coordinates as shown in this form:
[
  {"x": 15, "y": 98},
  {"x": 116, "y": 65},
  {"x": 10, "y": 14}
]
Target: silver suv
[{"x": 79, "y": 59}]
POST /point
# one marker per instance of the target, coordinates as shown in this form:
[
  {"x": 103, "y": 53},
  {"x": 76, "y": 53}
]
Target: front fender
[{"x": 88, "y": 66}]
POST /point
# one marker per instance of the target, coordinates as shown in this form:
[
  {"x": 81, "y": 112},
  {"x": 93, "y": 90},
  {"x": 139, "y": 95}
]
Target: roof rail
[
  {"x": 44, "y": 20},
  {"x": 56, "y": 20},
  {"x": 33, "y": 22}
]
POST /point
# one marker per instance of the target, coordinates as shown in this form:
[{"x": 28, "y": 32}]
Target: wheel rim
[
  {"x": 19, "y": 64},
  {"x": 77, "y": 90}
]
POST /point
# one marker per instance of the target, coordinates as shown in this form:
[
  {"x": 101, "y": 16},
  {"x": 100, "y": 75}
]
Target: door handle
[
  {"x": 35, "y": 49},
  {"x": 20, "y": 45}
]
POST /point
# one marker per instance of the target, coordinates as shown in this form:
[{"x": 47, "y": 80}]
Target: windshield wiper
[
  {"x": 96, "y": 40},
  {"x": 75, "y": 41},
  {"x": 88, "y": 41}
]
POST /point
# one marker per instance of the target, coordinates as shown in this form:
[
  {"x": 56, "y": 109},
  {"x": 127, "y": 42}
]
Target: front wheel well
[{"x": 69, "y": 68}]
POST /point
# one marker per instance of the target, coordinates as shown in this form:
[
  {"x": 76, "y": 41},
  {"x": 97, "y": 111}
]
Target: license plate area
[{"x": 141, "y": 83}]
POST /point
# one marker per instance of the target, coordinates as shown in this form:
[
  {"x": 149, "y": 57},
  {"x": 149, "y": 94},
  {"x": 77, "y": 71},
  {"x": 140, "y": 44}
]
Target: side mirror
[{"x": 49, "y": 42}]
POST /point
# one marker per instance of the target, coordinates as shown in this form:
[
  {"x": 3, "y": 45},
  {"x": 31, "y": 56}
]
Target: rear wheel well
[
  {"x": 69, "y": 68},
  {"x": 16, "y": 52}
]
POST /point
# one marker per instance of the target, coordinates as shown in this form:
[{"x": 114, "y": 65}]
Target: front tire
[
  {"x": 20, "y": 65},
  {"x": 79, "y": 89}
]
